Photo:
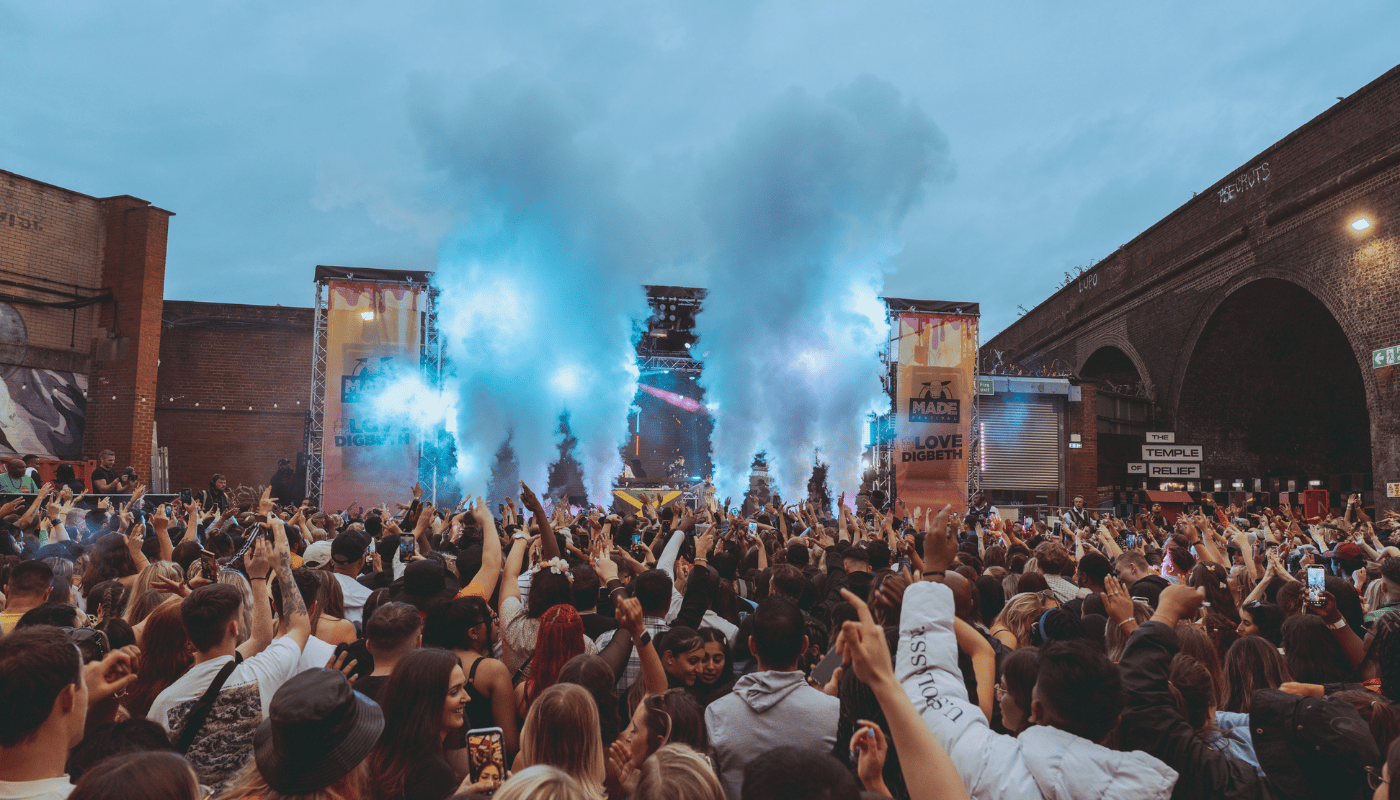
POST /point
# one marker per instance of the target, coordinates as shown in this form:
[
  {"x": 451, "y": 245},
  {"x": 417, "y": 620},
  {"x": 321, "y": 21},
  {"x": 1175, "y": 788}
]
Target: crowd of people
[{"x": 207, "y": 649}]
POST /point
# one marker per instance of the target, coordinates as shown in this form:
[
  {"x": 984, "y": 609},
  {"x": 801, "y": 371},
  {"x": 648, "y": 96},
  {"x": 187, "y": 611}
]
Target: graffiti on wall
[
  {"x": 42, "y": 412},
  {"x": 1244, "y": 182},
  {"x": 16, "y": 217}
]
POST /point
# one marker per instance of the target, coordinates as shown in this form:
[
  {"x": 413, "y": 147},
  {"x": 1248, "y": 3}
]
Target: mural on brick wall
[{"x": 42, "y": 412}]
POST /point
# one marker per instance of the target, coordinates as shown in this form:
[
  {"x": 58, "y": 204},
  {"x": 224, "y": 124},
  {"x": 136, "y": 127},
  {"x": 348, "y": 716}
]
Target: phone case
[{"x": 486, "y": 748}]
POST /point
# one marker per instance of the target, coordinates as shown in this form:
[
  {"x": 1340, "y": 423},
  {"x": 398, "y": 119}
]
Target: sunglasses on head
[
  {"x": 91, "y": 643},
  {"x": 656, "y": 703}
]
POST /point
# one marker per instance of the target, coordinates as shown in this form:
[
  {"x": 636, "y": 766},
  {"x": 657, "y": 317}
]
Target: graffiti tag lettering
[
  {"x": 14, "y": 216},
  {"x": 1244, "y": 182}
]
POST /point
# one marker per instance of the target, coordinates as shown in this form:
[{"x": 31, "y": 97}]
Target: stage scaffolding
[
  {"x": 673, "y": 309},
  {"x": 431, "y": 363},
  {"x": 316, "y": 409}
]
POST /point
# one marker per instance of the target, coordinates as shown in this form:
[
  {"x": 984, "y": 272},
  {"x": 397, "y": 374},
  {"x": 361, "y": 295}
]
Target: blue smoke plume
[
  {"x": 540, "y": 287},
  {"x": 804, "y": 203}
]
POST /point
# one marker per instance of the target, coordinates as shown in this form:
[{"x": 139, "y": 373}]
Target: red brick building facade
[
  {"x": 93, "y": 358},
  {"x": 81, "y": 281},
  {"x": 235, "y": 383}
]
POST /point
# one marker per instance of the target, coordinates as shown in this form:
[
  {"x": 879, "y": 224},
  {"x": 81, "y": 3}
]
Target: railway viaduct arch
[{"x": 1246, "y": 319}]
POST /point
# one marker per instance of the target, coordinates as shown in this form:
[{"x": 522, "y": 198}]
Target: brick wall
[
  {"x": 234, "y": 385},
  {"x": 51, "y": 241},
  {"x": 126, "y": 350},
  {"x": 1082, "y": 463},
  {"x": 1284, "y": 216},
  {"x": 60, "y": 246}
]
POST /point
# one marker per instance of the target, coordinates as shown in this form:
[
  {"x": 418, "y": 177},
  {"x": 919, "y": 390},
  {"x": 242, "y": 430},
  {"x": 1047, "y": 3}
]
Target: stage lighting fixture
[
  {"x": 1360, "y": 224},
  {"x": 367, "y": 316},
  {"x": 687, "y": 345}
]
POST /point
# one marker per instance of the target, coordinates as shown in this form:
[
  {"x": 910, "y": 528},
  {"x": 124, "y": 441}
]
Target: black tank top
[{"x": 478, "y": 710}]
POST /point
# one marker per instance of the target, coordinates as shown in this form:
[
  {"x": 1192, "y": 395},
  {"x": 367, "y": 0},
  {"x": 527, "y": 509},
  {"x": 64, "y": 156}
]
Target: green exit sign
[
  {"x": 984, "y": 386},
  {"x": 1385, "y": 357}
]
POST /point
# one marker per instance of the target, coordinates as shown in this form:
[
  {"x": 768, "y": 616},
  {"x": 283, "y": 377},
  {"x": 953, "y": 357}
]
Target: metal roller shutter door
[{"x": 1020, "y": 443}]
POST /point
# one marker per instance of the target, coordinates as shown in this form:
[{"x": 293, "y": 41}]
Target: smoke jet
[
  {"x": 540, "y": 287},
  {"x": 805, "y": 202}
]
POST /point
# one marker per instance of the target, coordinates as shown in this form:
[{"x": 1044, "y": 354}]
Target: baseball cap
[
  {"x": 317, "y": 554},
  {"x": 348, "y": 548}
]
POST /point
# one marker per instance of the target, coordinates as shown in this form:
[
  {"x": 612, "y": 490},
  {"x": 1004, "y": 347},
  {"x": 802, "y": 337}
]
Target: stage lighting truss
[
  {"x": 431, "y": 362},
  {"x": 314, "y": 427},
  {"x": 660, "y": 363}
]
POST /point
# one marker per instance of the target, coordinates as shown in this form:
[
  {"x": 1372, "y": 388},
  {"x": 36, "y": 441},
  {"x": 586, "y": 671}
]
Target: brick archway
[
  {"x": 1323, "y": 293},
  {"x": 1120, "y": 343},
  {"x": 1271, "y": 383}
]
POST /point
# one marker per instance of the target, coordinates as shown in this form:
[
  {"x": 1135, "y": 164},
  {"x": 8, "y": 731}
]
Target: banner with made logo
[{"x": 936, "y": 355}]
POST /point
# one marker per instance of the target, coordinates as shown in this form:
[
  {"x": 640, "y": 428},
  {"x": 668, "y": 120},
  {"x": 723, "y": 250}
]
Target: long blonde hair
[
  {"x": 167, "y": 569},
  {"x": 541, "y": 782},
  {"x": 562, "y": 731},
  {"x": 677, "y": 772},
  {"x": 1019, "y": 615},
  {"x": 1115, "y": 639}
]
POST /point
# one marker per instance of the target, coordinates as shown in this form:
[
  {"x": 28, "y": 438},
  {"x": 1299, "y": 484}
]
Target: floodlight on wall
[{"x": 1360, "y": 224}]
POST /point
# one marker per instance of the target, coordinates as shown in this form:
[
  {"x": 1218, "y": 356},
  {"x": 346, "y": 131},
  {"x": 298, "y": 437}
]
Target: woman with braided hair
[
  {"x": 1215, "y": 579},
  {"x": 559, "y": 639}
]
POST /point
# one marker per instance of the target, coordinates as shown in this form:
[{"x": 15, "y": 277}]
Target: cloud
[{"x": 347, "y": 183}]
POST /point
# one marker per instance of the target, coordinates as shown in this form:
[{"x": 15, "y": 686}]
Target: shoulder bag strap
[
  {"x": 520, "y": 673},
  {"x": 199, "y": 712}
]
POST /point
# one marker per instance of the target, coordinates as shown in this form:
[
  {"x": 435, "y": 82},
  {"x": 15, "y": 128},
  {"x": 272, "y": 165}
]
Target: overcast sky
[{"x": 286, "y": 135}]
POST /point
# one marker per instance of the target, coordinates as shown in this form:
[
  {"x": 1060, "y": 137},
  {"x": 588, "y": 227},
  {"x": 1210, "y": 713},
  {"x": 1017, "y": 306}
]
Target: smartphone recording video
[
  {"x": 1317, "y": 584},
  {"x": 486, "y": 747}
]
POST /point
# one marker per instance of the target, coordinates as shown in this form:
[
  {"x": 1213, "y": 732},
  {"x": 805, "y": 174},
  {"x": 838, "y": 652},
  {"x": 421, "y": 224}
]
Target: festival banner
[
  {"x": 373, "y": 333},
  {"x": 937, "y": 354}
]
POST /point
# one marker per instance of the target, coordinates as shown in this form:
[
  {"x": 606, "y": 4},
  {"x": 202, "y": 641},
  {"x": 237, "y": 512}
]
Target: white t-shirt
[
  {"x": 355, "y": 597},
  {"x": 315, "y": 656},
  {"x": 46, "y": 789},
  {"x": 225, "y": 743}
]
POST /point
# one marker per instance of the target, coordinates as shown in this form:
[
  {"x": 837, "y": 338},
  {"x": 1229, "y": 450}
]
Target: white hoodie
[{"x": 1043, "y": 762}]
